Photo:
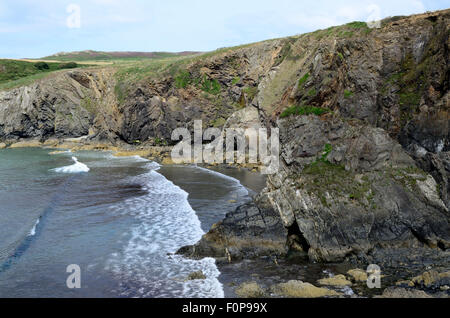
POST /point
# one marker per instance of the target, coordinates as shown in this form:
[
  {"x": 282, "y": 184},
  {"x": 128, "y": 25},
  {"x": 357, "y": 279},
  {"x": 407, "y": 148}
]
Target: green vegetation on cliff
[
  {"x": 16, "y": 73},
  {"x": 303, "y": 110},
  {"x": 303, "y": 80},
  {"x": 89, "y": 55},
  {"x": 206, "y": 84},
  {"x": 327, "y": 180}
]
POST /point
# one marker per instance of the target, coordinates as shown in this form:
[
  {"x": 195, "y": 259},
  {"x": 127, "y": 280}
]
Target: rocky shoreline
[
  {"x": 336, "y": 204},
  {"x": 363, "y": 115},
  {"x": 259, "y": 266},
  {"x": 259, "y": 257}
]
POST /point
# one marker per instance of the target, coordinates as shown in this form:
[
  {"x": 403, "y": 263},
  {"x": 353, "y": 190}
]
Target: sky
[{"x": 32, "y": 29}]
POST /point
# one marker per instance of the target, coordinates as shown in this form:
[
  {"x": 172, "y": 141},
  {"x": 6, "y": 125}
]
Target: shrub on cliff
[
  {"x": 41, "y": 66},
  {"x": 68, "y": 65},
  {"x": 183, "y": 79}
]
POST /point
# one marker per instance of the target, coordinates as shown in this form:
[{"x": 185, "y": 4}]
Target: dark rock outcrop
[
  {"x": 63, "y": 105},
  {"x": 253, "y": 230},
  {"x": 345, "y": 190},
  {"x": 351, "y": 189}
]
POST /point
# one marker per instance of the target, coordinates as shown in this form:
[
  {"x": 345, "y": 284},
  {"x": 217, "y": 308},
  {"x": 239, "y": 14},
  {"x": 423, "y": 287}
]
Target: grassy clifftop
[
  {"x": 90, "y": 55},
  {"x": 16, "y": 73}
]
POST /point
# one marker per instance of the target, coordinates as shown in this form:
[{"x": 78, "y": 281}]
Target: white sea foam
[
  {"x": 113, "y": 161},
  {"x": 348, "y": 291},
  {"x": 110, "y": 156},
  {"x": 60, "y": 152},
  {"x": 33, "y": 230},
  {"x": 165, "y": 222},
  {"x": 153, "y": 166},
  {"x": 77, "y": 167},
  {"x": 440, "y": 146}
]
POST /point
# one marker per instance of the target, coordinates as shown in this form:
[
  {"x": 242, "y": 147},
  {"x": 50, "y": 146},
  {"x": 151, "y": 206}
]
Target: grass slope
[
  {"x": 110, "y": 56},
  {"x": 15, "y": 73}
]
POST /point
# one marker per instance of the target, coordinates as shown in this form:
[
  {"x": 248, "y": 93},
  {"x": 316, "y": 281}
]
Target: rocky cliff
[{"x": 364, "y": 127}]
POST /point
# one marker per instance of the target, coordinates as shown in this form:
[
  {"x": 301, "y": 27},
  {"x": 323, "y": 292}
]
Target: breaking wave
[
  {"x": 77, "y": 167},
  {"x": 33, "y": 230},
  {"x": 165, "y": 222}
]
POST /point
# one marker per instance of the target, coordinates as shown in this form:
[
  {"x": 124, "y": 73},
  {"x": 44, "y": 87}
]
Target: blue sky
[{"x": 40, "y": 28}]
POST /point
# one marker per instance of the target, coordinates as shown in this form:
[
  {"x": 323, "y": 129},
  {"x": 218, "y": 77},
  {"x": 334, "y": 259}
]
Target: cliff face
[
  {"x": 65, "y": 104},
  {"x": 346, "y": 189},
  {"x": 355, "y": 183},
  {"x": 370, "y": 170}
]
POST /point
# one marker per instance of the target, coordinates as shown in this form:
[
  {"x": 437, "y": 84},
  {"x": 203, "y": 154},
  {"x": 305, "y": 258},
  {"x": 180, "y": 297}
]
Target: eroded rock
[
  {"x": 299, "y": 289},
  {"x": 395, "y": 292},
  {"x": 253, "y": 230},
  {"x": 250, "y": 290}
]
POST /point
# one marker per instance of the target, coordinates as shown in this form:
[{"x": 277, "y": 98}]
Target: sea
[{"x": 119, "y": 220}]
